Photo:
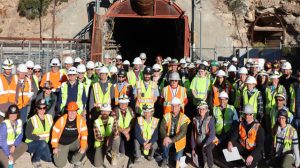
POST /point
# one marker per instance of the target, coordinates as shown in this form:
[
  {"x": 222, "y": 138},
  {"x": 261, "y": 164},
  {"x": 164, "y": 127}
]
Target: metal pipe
[{"x": 200, "y": 33}]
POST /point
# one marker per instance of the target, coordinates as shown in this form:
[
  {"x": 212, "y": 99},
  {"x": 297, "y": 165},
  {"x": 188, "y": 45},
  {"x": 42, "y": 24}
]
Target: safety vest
[
  {"x": 274, "y": 116},
  {"x": 252, "y": 101},
  {"x": 226, "y": 86},
  {"x": 145, "y": 96},
  {"x": 238, "y": 90},
  {"x": 168, "y": 96},
  {"x": 124, "y": 122},
  {"x": 287, "y": 141},
  {"x": 183, "y": 119},
  {"x": 118, "y": 93},
  {"x": 248, "y": 140},
  {"x": 65, "y": 95},
  {"x": 270, "y": 97},
  {"x": 12, "y": 134},
  {"x": 8, "y": 90},
  {"x": 223, "y": 121},
  {"x": 101, "y": 97},
  {"x": 36, "y": 81},
  {"x": 24, "y": 94},
  {"x": 132, "y": 78},
  {"x": 39, "y": 129},
  {"x": 104, "y": 131},
  {"x": 201, "y": 131},
  {"x": 201, "y": 87},
  {"x": 147, "y": 129},
  {"x": 86, "y": 84},
  {"x": 55, "y": 78}
]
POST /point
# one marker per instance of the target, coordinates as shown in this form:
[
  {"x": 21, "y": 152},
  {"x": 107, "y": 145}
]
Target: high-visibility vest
[
  {"x": 55, "y": 78},
  {"x": 223, "y": 121},
  {"x": 24, "y": 94},
  {"x": 145, "y": 96},
  {"x": 36, "y": 81},
  {"x": 118, "y": 93},
  {"x": 270, "y": 97},
  {"x": 183, "y": 119},
  {"x": 274, "y": 116},
  {"x": 248, "y": 140},
  {"x": 147, "y": 129},
  {"x": 64, "y": 96},
  {"x": 8, "y": 90},
  {"x": 124, "y": 122},
  {"x": 201, "y": 87},
  {"x": 99, "y": 96},
  {"x": 238, "y": 90},
  {"x": 132, "y": 79},
  {"x": 104, "y": 131},
  {"x": 201, "y": 131},
  {"x": 168, "y": 96},
  {"x": 86, "y": 84},
  {"x": 39, "y": 129},
  {"x": 216, "y": 92},
  {"x": 252, "y": 100},
  {"x": 12, "y": 134},
  {"x": 292, "y": 106},
  {"x": 287, "y": 141}
]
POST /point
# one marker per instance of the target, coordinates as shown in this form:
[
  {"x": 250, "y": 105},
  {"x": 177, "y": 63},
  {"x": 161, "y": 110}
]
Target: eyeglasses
[
  {"x": 143, "y": 59},
  {"x": 72, "y": 74},
  {"x": 30, "y": 68},
  {"x": 47, "y": 88},
  {"x": 156, "y": 70},
  {"x": 42, "y": 108},
  {"x": 280, "y": 100},
  {"x": 37, "y": 71},
  {"x": 90, "y": 69},
  {"x": 281, "y": 118}
]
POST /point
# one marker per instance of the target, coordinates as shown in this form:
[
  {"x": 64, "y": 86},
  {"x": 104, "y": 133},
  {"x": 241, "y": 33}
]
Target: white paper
[{"x": 233, "y": 155}]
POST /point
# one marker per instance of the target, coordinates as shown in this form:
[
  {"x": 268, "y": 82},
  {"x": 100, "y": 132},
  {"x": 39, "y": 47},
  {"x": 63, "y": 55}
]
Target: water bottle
[{"x": 10, "y": 164}]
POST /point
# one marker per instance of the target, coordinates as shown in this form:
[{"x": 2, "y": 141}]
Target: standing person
[
  {"x": 34, "y": 81},
  {"x": 136, "y": 74},
  {"x": 295, "y": 101},
  {"x": 126, "y": 65},
  {"x": 38, "y": 133},
  {"x": 248, "y": 138},
  {"x": 37, "y": 75},
  {"x": 11, "y": 134},
  {"x": 157, "y": 74},
  {"x": 203, "y": 138},
  {"x": 69, "y": 133},
  {"x": 254, "y": 69},
  {"x": 119, "y": 62},
  {"x": 287, "y": 79},
  {"x": 143, "y": 57},
  {"x": 68, "y": 63},
  {"x": 214, "y": 67},
  {"x": 286, "y": 145},
  {"x": 50, "y": 98},
  {"x": 82, "y": 78},
  {"x": 232, "y": 74},
  {"x": 122, "y": 87},
  {"x": 221, "y": 84},
  {"x": 107, "y": 61},
  {"x": 105, "y": 132},
  {"x": 113, "y": 75},
  {"x": 238, "y": 87},
  {"x": 146, "y": 134},
  {"x": 90, "y": 70},
  {"x": 173, "y": 130}
]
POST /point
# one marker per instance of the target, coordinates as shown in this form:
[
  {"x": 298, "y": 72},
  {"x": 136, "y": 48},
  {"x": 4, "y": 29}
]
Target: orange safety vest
[
  {"x": 8, "y": 90},
  {"x": 183, "y": 119},
  {"x": 248, "y": 140},
  {"x": 168, "y": 96},
  {"x": 56, "y": 79},
  {"x": 216, "y": 92},
  {"x": 25, "y": 95},
  {"x": 60, "y": 126},
  {"x": 123, "y": 91}
]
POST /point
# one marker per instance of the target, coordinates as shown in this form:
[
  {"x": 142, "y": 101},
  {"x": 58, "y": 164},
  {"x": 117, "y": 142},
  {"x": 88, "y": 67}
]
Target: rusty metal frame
[{"x": 40, "y": 39}]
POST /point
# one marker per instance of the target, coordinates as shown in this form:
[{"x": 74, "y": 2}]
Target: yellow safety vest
[
  {"x": 12, "y": 134},
  {"x": 270, "y": 97},
  {"x": 145, "y": 96},
  {"x": 124, "y": 122},
  {"x": 39, "y": 129},
  {"x": 252, "y": 100},
  {"x": 64, "y": 96},
  {"x": 201, "y": 87},
  {"x": 99, "y": 96},
  {"x": 223, "y": 121},
  {"x": 104, "y": 131}
]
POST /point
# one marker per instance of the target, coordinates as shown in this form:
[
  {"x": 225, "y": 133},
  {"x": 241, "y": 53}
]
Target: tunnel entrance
[{"x": 154, "y": 37}]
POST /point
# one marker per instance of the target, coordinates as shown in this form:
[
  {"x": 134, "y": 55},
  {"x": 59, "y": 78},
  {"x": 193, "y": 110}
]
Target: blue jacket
[{"x": 3, "y": 139}]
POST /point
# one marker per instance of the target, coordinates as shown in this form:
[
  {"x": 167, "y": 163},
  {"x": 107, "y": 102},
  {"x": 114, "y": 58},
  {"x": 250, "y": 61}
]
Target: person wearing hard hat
[
  {"x": 251, "y": 95},
  {"x": 55, "y": 76},
  {"x": 102, "y": 92},
  {"x": 69, "y": 133},
  {"x": 146, "y": 134},
  {"x": 31, "y": 76},
  {"x": 8, "y": 85},
  {"x": 72, "y": 91},
  {"x": 159, "y": 61},
  {"x": 203, "y": 137},
  {"x": 238, "y": 87},
  {"x": 226, "y": 120},
  {"x": 287, "y": 80},
  {"x": 146, "y": 91},
  {"x": 37, "y": 75},
  {"x": 90, "y": 70},
  {"x": 173, "y": 130},
  {"x": 286, "y": 144},
  {"x": 157, "y": 69},
  {"x": 125, "y": 119},
  {"x": 11, "y": 135},
  {"x": 171, "y": 91},
  {"x": 173, "y": 67},
  {"x": 136, "y": 74},
  {"x": 122, "y": 87},
  {"x": 234, "y": 61},
  {"x": 224, "y": 67},
  {"x": 214, "y": 67},
  {"x": 82, "y": 78},
  {"x": 232, "y": 74},
  {"x": 107, "y": 61},
  {"x": 68, "y": 63},
  {"x": 262, "y": 83},
  {"x": 248, "y": 138},
  {"x": 221, "y": 84},
  {"x": 126, "y": 65},
  {"x": 49, "y": 97},
  {"x": 105, "y": 130},
  {"x": 38, "y": 133},
  {"x": 113, "y": 75},
  {"x": 182, "y": 66},
  {"x": 143, "y": 58},
  {"x": 77, "y": 61},
  {"x": 254, "y": 69},
  {"x": 119, "y": 62}
]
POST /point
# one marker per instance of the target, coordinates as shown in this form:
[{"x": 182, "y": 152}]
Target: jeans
[
  {"x": 40, "y": 150},
  {"x": 138, "y": 149},
  {"x": 166, "y": 152},
  {"x": 23, "y": 114}
]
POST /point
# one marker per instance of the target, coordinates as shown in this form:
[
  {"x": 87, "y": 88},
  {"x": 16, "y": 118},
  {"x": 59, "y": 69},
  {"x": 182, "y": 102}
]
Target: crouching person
[
  {"x": 204, "y": 138},
  {"x": 37, "y": 134},
  {"x": 146, "y": 134},
  {"x": 105, "y": 129},
  {"x": 11, "y": 134},
  {"x": 69, "y": 134}
]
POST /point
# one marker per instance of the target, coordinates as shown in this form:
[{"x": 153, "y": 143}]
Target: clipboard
[{"x": 233, "y": 155}]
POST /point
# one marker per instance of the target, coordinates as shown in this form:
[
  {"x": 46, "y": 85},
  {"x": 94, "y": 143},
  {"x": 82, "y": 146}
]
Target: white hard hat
[
  {"x": 68, "y": 60},
  {"x": 113, "y": 69},
  {"x": 78, "y": 59},
  {"x": 169, "y": 59},
  {"x": 81, "y": 68},
  {"x": 143, "y": 56},
  {"x": 98, "y": 65},
  {"x": 8, "y": 64},
  {"x": 30, "y": 64},
  {"x": 191, "y": 66},
  {"x": 243, "y": 70},
  {"x": 104, "y": 69},
  {"x": 248, "y": 109},
  {"x": 275, "y": 75},
  {"x": 119, "y": 57},
  {"x": 37, "y": 66},
  {"x": 105, "y": 107},
  {"x": 225, "y": 64},
  {"x": 156, "y": 67},
  {"x": 182, "y": 61},
  {"x": 205, "y": 63},
  {"x": 175, "y": 101},
  {"x": 286, "y": 65},
  {"x": 137, "y": 61},
  {"x": 232, "y": 68},
  {"x": 165, "y": 61},
  {"x": 123, "y": 99},
  {"x": 107, "y": 55},
  {"x": 188, "y": 60},
  {"x": 174, "y": 76},
  {"x": 223, "y": 94},
  {"x": 55, "y": 62},
  {"x": 22, "y": 68},
  {"x": 250, "y": 80},
  {"x": 90, "y": 65},
  {"x": 220, "y": 73},
  {"x": 198, "y": 61},
  {"x": 126, "y": 62},
  {"x": 234, "y": 59},
  {"x": 72, "y": 71}
]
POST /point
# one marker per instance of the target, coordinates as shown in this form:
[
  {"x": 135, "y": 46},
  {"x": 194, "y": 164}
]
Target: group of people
[{"x": 115, "y": 109}]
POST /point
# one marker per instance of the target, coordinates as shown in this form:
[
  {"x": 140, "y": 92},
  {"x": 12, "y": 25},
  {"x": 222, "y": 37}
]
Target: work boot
[
  {"x": 113, "y": 159},
  {"x": 37, "y": 165},
  {"x": 150, "y": 158},
  {"x": 164, "y": 163}
]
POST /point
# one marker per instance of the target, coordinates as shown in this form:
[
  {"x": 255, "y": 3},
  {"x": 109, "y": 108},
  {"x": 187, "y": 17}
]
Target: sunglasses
[
  {"x": 156, "y": 71},
  {"x": 42, "y": 108},
  {"x": 47, "y": 88},
  {"x": 143, "y": 59},
  {"x": 37, "y": 71},
  {"x": 30, "y": 68},
  {"x": 280, "y": 100},
  {"x": 90, "y": 69},
  {"x": 71, "y": 74}
]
